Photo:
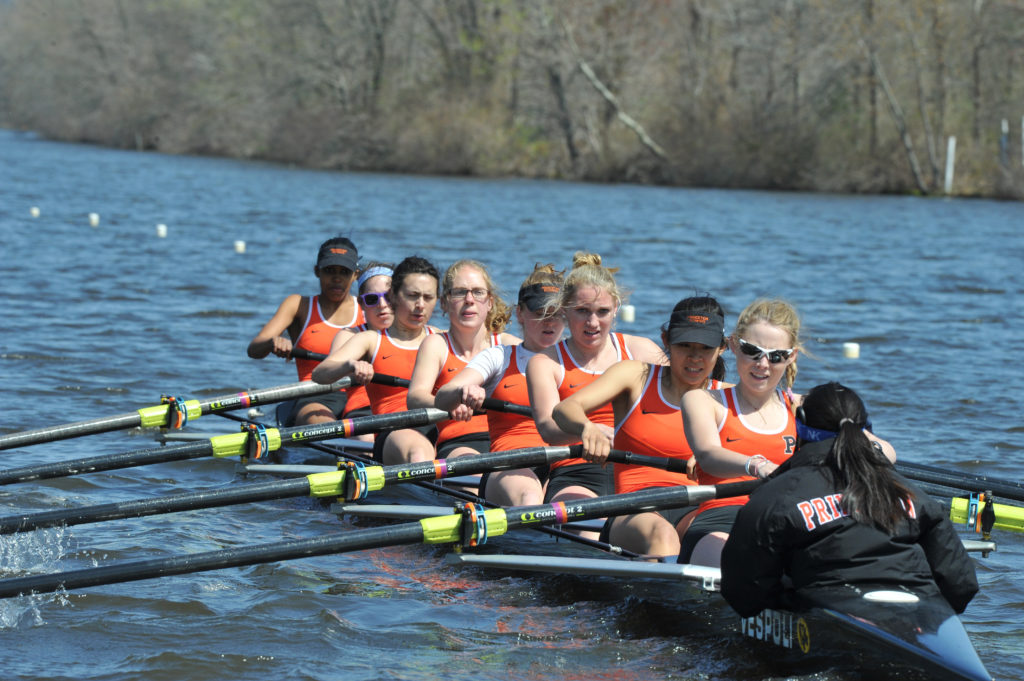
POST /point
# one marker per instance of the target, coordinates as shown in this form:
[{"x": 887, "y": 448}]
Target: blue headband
[
  {"x": 809, "y": 434},
  {"x": 378, "y": 271}
]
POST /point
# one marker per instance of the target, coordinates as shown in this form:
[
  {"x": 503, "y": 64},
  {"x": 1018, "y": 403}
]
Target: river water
[{"x": 103, "y": 320}]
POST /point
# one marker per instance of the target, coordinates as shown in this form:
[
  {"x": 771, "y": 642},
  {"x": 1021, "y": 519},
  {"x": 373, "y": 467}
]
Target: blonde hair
[
  {"x": 544, "y": 274},
  {"x": 500, "y": 312},
  {"x": 779, "y": 314},
  {"x": 587, "y": 270}
]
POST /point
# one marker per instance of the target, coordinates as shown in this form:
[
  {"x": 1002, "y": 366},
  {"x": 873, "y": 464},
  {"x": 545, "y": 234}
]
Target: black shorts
[
  {"x": 334, "y": 400},
  {"x": 428, "y": 431},
  {"x": 718, "y": 519},
  {"x": 673, "y": 515},
  {"x": 481, "y": 442},
  {"x": 358, "y": 413},
  {"x": 594, "y": 477}
]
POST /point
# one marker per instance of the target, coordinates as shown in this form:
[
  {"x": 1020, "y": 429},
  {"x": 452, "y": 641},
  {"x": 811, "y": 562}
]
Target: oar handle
[
  {"x": 302, "y": 353},
  {"x": 663, "y": 462},
  {"x": 489, "y": 402}
]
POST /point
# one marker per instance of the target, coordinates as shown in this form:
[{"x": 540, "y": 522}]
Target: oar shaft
[
  {"x": 223, "y": 445},
  {"x": 264, "y": 491},
  {"x": 107, "y": 462},
  {"x": 157, "y": 415},
  {"x": 393, "y": 535},
  {"x": 436, "y": 530},
  {"x": 960, "y": 481},
  {"x": 70, "y": 430}
]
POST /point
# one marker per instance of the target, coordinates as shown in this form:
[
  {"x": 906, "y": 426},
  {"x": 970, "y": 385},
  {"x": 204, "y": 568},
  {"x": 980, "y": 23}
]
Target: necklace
[{"x": 770, "y": 404}]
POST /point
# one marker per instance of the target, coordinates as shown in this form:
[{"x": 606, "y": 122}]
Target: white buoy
[
  {"x": 161, "y": 230},
  {"x": 34, "y": 211},
  {"x": 627, "y": 313},
  {"x": 94, "y": 219},
  {"x": 851, "y": 350},
  {"x": 239, "y": 246}
]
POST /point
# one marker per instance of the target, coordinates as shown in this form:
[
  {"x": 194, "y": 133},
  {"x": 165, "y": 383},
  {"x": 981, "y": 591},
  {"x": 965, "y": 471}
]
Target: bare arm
[
  {"x": 646, "y": 350},
  {"x": 701, "y": 415},
  {"x": 542, "y": 377},
  {"x": 466, "y": 388},
  {"x": 429, "y": 360},
  {"x": 621, "y": 381},
  {"x": 349, "y": 357},
  {"x": 269, "y": 339}
]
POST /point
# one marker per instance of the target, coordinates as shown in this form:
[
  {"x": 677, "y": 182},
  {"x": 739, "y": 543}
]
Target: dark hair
[
  {"x": 704, "y": 303},
  {"x": 872, "y": 494},
  {"x": 414, "y": 264}
]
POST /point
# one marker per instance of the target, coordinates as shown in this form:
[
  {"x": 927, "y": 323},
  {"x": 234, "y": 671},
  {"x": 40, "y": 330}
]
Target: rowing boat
[{"x": 893, "y": 628}]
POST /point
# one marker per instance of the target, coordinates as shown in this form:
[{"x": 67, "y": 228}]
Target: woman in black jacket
[{"x": 837, "y": 513}]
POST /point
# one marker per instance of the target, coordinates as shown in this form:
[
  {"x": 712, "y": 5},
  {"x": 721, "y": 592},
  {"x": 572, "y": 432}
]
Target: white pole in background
[{"x": 950, "y": 160}]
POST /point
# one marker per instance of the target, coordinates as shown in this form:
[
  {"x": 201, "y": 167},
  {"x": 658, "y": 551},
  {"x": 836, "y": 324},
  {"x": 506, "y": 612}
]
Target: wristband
[{"x": 760, "y": 460}]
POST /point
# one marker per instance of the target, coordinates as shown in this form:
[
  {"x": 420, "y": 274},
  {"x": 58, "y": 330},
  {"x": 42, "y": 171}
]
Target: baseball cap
[
  {"x": 692, "y": 326},
  {"x": 339, "y": 251},
  {"x": 538, "y": 297}
]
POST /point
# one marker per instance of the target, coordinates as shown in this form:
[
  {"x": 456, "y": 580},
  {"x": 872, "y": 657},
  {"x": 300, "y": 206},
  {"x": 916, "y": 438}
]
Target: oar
[
  {"x": 173, "y": 411},
  {"x": 251, "y": 441},
  {"x": 350, "y": 484},
  {"x": 963, "y": 481},
  {"x": 473, "y": 526},
  {"x": 383, "y": 379},
  {"x": 489, "y": 402}
]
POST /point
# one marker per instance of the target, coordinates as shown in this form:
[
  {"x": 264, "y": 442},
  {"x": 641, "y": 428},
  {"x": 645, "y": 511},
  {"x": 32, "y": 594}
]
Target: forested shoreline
[{"x": 829, "y": 95}]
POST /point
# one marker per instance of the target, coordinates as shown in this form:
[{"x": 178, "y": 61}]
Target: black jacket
[{"x": 790, "y": 527}]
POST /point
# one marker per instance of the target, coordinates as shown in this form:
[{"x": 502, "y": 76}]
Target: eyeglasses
[
  {"x": 479, "y": 294},
  {"x": 372, "y": 299},
  {"x": 756, "y": 352}
]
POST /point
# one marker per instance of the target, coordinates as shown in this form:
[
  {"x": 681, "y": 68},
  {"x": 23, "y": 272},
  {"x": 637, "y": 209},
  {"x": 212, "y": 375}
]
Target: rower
[
  {"x": 477, "y": 317},
  {"x": 837, "y": 513},
  {"x": 744, "y": 431},
  {"x": 392, "y": 352},
  {"x": 311, "y": 323},
  {"x": 589, "y": 301},
  {"x": 499, "y": 372},
  {"x": 645, "y": 398},
  {"x": 372, "y": 286}
]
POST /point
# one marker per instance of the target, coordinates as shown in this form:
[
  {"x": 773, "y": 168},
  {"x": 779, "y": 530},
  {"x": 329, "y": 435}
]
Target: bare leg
[
  {"x": 708, "y": 550},
  {"x": 577, "y": 492},
  {"x": 646, "y": 533},
  {"x": 519, "y": 487},
  {"x": 407, "y": 446}
]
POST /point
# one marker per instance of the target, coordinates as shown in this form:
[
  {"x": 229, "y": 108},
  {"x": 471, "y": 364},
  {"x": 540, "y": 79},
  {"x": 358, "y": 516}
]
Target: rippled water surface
[{"x": 102, "y": 320}]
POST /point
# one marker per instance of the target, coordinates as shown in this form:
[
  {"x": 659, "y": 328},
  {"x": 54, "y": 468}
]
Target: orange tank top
[
  {"x": 357, "y": 396},
  {"x": 390, "y": 359},
  {"x": 512, "y": 431},
  {"x": 653, "y": 427},
  {"x": 316, "y": 336},
  {"x": 574, "y": 377},
  {"x": 448, "y": 429},
  {"x": 739, "y": 436}
]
